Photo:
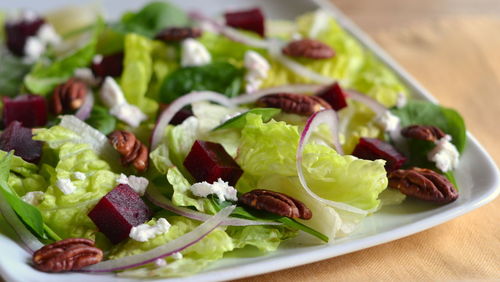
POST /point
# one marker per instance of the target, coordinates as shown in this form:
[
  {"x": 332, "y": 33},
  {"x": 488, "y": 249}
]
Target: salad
[{"x": 154, "y": 145}]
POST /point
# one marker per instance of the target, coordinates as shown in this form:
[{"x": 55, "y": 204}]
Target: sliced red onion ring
[
  {"x": 373, "y": 104},
  {"x": 83, "y": 112},
  {"x": 167, "y": 115},
  {"x": 165, "y": 250},
  {"x": 229, "y": 32},
  {"x": 30, "y": 242},
  {"x": 329, "y": 117},
  {"x": 158, "y": 199},
  {"x": 292, "y": 88}
]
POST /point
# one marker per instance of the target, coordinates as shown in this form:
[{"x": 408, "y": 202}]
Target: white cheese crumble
[
  {"x": 33, "y": 49},
  {"x": 112, "y": 96},
  {"x": 79, "y": 175},
  {"x": 97, "y": 59},
  {"x": 220, "y": 188},
  {"x": 137, "y": 183},
  {"x": 445, "y": 154},
  {"x": 194, "y": 53},
  {"x": 388, "y": 121},
  {"x": 48, "y": 35},
  {"x": 160, "y": 262},
  {"x": 33, "y": 198},
  {"x": 86, "y": 75},
  {"x": 401, "y": 100},
  {"x": 144, "y": 232},
  {"x": 66, "y": 186},
  {"x": 177, "y": 256},
  {"x": 257, "y": 69}
]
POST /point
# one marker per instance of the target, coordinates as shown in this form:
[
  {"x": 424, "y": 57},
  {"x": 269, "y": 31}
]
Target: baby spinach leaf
[
  {"x": 101, "y": 120},
  {"x": 152, "y": 18},
  {"x": 220, "y": 77},
  {"x": 29, "y": 214},
  {"x": 239, "y": 121},
  {"x": 12, "y": 72}
]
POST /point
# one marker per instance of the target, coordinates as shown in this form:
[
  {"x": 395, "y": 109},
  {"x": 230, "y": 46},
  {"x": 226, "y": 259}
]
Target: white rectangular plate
[{"x": 477, "y": 176}]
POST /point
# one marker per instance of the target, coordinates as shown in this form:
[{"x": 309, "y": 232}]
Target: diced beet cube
[
  {"x": 334, "y": 95},
  {"x": 209, "y": 161},
  {"x": 30, "y": 110},
  {"x": 252, "y": 20},
  {"x": 20, "y": 139},
  {"x": 117, "y": 212},
  {"x": 18, "y": 31},
  {"x": 110, "y": 65},
  {"x": 373, "y": 149}
]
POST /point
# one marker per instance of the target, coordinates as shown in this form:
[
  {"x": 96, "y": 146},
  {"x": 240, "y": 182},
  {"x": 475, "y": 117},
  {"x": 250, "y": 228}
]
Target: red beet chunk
[
  {"x": 110, "y": 65},
  {"x": 18, "y": 32},
  {"x": 119, "y": 211},
  {"x": 209, "y": 161},
  {"x": 373, "y": 149},
  {"x": 252, "y": 20},
  {"x": 20, "y": 139},
  {"x": 30, "y": 110},
  {"x": 334, "y": 95}
]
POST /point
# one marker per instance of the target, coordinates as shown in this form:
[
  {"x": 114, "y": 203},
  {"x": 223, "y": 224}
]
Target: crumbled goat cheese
[
  {"x": 137, "y": 183},
  {"x": 79, "y": 175},
  {"x": 388, "y": 121},
  {"x": 257, "y": 69},
  {"x": 112, "y": 96},
  {"x": 220, "y": 188},
  {"x": 160, "y": 262},
  {"x": 144, "y": 232},
  {"x": 65, "y": 185},
  {"x": 33, "y": 49},
  {"x": 48, "y": 35},
  {"x": 177, "y": 256},
  {"x": 86, "y": 75},
  {"x": 97, "y": 59},
  {"x": 194, "y": 53},
  {"x": 33, "y": 198},
  {"x": 401, "y": 100},
  {"x": 445, "y": 154}
]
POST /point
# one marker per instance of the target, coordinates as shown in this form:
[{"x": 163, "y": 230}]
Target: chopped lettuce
[
  {"x": 12, "y": 73},
  {"x": 66, "y": 214}
]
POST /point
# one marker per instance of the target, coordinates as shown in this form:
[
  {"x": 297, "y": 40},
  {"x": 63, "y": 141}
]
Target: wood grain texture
[{"x": 452, "y": 48}]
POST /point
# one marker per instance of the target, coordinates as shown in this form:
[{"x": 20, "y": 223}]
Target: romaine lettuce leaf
[
  {"x": 12, "y": 73},
  {"x": 182, "y": 196}
]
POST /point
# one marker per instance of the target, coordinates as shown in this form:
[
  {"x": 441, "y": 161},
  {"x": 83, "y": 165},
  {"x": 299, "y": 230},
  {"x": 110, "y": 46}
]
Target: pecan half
[
  {"x": 423, "y": 184},
  {"x": 132, "y": 150},
  {"x": 423, "y": 132},
  {"x": 294, "y": 103},
  {"x": 66, "y": 255},
  {"x": 277, "y": 203},
  {"x": 178, "y": 33},
  {"x": 308, "y": 48},
  {"x": 69, "y": 96}
]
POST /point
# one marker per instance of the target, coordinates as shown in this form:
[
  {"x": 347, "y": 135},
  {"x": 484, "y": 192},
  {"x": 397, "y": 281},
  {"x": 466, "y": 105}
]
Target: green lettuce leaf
[
  {"x": 12, "y": 73},
  {"x": 240, "y": 120},
  {"x": 102, "y": 120},
  {"x": 182, "y": 196},
  {"x": 67, "y": 214},
  {"x": 152, "y": 18},
  {"x": 264, "y": 238},
  {"x": 220, "y": 77}
]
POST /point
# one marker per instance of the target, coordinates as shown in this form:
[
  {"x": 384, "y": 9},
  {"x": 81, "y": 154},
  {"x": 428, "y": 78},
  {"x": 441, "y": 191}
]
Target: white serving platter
[{"x": 478, "y": 177}]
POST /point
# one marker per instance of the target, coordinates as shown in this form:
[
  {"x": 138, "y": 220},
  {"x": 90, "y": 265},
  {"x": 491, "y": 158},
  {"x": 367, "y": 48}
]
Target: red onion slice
[
  {"x": 83, "y": 112},
  {"x": 158, "y": 199},
  {"x": 167, "y": 115},
  {"x": 292, "y": 88},
  {"x": 30, "y": 242},
  {"x": 329, "y": 117},
  {"x": 229, "y": 32},
  {"x": 165, "y": 250}
]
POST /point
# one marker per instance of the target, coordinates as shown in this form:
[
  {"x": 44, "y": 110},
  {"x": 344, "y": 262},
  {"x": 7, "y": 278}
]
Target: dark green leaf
[
  {"x": 152, "y": 18},
  {"x": 27, "y": 213},
  {"x": 220, "y": 77},
  {"x": 12, "y": 72},
  {"x": 239, "y": 121},
  {"x": 101, "y": 120}
]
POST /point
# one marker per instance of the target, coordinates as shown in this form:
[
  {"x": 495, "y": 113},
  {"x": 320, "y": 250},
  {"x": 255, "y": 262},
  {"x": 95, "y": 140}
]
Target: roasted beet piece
[
  {"x": 30, "y": 110},
  {"x": 252, "y": 20},
  {"x": 373, "y": 149},
  {"x": 209, "y": 161},
  {"x": 334, "y": 95},
  {"x": 110, "y": 65},
  {"x": 117, "y": 212},
  {"x": 20, "y": 139},
  {"x": 18, "y": 31}
]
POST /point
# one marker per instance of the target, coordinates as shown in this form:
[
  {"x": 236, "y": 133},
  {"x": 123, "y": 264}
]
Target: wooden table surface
[{"x": 452, "y": 47}]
